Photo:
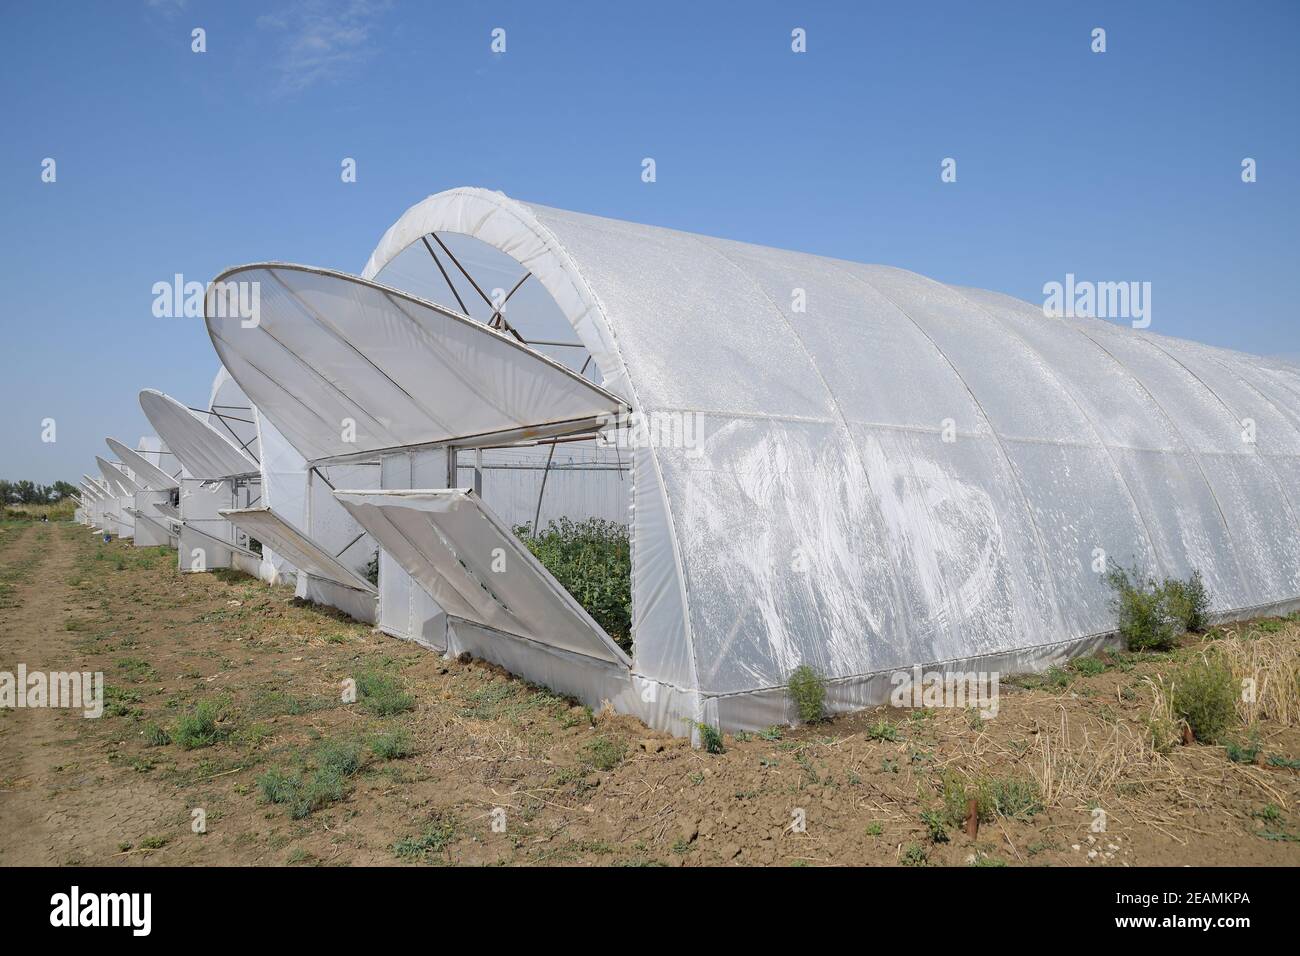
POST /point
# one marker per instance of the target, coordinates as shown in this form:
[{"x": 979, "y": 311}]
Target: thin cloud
[
  {"x": 321, "y": 40},
  {"x": 167, "y": 8}
]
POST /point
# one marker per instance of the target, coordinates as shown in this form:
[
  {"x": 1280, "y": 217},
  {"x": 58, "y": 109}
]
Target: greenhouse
[{"x": 819, "y": 462}]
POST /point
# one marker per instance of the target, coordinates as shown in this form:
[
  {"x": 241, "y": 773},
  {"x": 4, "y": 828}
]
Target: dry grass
[
  {"x": 1164, "y": 726},
  {"x": 1271, "y": 663},
  {"x": 60, "y": 511},
  {"x": 1083, "y": 762}
]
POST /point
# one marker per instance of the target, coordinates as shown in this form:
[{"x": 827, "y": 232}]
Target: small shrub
[
  {"x": 1205, "y": 696},
  {"x": 808, "y": 691},
  {"x": 1187, "y": 602},
  {"x": 372, "y": 569},
  {"x": 1144, "y": 620},
  {"x": 592, "y": 560},
  {"x": 1153, "y": 614}
]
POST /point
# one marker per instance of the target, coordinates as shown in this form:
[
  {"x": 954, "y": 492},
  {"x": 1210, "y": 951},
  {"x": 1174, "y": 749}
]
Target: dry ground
[{"x": 570, "y": 787}]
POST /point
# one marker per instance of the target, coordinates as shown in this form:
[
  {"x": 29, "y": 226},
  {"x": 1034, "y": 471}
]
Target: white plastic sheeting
[
  {"x": 476, "y": 569},
  {"x": 284, "y": 489},
  {"x": 204, "y": 451},
  {"x": 145, "y": 472},
  {"x": 150, "y": 531},
  {"x": 118, "y": 480},
  {"x": 273, "y": 531},
  {"x": 94, "y": 492},
  {"x": 373, "y": 368},
  {"x": 901, "y": 472}
]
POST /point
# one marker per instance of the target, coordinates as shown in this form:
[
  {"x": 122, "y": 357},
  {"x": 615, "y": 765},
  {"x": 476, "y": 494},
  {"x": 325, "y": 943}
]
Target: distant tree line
[{"x": 30, "y": 493}]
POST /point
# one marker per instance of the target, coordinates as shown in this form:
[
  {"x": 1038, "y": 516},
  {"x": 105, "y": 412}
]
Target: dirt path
[{"x": 49, "y": 765}]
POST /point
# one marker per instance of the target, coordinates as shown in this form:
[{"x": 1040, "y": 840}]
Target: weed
[
  {"x": 808, "y": 691},
  {"x": 277, "y": 786},
  {"x": 936, "y": 826},
  {"x": 437, "y": 837},
  {"x": 338, "y": 757},
  {"x": 1269, "y": 813},
  {"x": 1244, "y": 753},
  {"x": 391, "y": 746},
  {"x": 882, "y": 730},
  {"x": 1011, "y": 797},
  {"x": 1152, "y": 614},
  {"x": 1144, "y": 619},
  {"x": 156, "y": 736},
  {"x": 199, "y": 727},
  {"x": 382, "y": 694},
  {"x": 1088, "y": 666},
  {"x": 335, "y": 762},
  {"x": 1187, "y": 602},
  {"x": 117, "y": 702},
  {"x": 1205, "y": 696},
  {"x": 604, "y": 753},
  {"x": 710, "y": 738},
  {"x": 915, "y": 855}
]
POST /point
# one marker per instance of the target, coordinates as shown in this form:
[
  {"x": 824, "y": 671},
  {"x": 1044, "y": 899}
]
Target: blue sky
[{"x": 1116, "y": 166}]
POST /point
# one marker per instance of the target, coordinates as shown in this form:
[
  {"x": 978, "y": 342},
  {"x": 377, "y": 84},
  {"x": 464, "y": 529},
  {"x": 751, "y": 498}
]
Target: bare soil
[{"x": 500, "y": 772}]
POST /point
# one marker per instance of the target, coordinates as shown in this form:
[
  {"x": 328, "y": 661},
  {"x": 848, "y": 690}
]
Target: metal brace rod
[
  {"x": 456, "y": 262},
  {"x": 498, "y": 314},
  {"x": 350, "y": 544},
  {"x": 446, "y": 278}
]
